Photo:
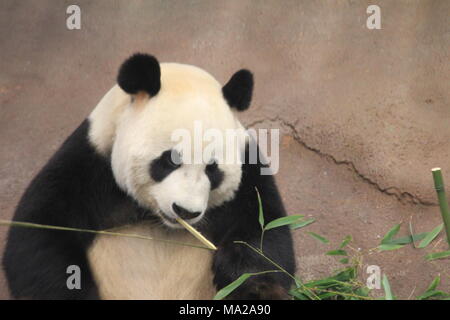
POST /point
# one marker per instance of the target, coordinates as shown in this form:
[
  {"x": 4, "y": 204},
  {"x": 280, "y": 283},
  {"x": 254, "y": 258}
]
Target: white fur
[
  {"x": 104, "y": 118},
  {"x": 129, "y": 268},
  {"x": 135, "y": 132}
]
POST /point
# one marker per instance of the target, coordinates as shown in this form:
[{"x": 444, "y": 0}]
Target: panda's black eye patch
[
  {"x": 215, "y": 175},
  {"x": 162, "y": 166}
]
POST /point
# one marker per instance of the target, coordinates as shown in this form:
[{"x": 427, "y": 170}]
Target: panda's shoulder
[{"x": 72, "y": 176}]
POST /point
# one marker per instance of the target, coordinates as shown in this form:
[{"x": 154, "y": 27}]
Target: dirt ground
[{"x": 364, "y": 113}]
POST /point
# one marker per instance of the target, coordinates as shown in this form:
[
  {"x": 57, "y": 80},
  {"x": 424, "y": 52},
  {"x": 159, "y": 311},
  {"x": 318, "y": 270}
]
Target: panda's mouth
[
  {"x": 169, "y": 221},
  {"x": 172, "y": 222},
  {"x": 165, "y": 217}
]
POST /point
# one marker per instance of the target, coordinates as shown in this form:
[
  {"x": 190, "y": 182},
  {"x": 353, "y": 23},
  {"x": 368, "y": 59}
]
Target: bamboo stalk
[
  {"x": 109, "y": 233},
  {"x": 197, "y": 234},
  {"x": 443, "y": 203}
]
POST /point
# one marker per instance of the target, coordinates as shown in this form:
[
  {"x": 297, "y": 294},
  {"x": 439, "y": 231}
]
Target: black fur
[
  {"x": 238, "y": 90},
  {"x": 162, "y": 166},
  {"x": 77, "y": 189},
  {"x": 140, "y": 72},
  {"x": 215, "y": 175},
  {"x": 237, "y": 220}
]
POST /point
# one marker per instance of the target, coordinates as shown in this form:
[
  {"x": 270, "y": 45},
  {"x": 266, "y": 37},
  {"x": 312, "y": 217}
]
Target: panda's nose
[{"x": 184, "y": 213}]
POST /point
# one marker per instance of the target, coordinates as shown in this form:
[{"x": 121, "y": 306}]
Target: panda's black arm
[
  {"x": 74, "y": 189},
  {"x": 238, "y": 221}
]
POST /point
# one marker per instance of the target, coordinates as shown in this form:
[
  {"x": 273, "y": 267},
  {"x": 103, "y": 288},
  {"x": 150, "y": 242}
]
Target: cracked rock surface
[{"x": 364, "y": 114}]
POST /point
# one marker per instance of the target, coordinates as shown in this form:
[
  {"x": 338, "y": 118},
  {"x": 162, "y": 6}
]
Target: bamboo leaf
[
  {"x": 408, "y": 239},
  {"x": 387, "y": 288},
  {"x": 326, "y": 295},
  {"x": 363, "y": 291},
  {"x": 282, "y": 221},
  {"x": 346, "y": 241},
  {"x": 431, "y": 290},
  {"x": 411, "y": 233},
  {"x": 389, "y": 247},
  {"x": 301, "y": 224},
  {"x": 432, "y": 293},
  {"x": 298, "y": 295},
  {"x": 260, "y": 209},
  {"x": 431, "y": 236},
  {"x": 318, "y": 237},
  {"x": 222, "y": 293},
  {"x": 338, "y": 252},
  {"x": 391, "y": 233},
  {"x": 434, "y": 284},
  {"x": 297, "y": 282},
  {"x": 437, "y": 255}
]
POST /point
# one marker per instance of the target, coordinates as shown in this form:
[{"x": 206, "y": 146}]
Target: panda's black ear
[
  {"x": 238, "y": 90},
  {"x": 140, "y": 72}
]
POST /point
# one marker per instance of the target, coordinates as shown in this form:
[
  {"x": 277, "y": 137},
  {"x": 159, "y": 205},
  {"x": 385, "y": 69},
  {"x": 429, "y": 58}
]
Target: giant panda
[{"x": 117, "y": 171}]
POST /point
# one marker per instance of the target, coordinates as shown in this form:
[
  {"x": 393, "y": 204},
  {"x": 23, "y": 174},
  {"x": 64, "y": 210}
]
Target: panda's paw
[
  {"x": 254, "y": 289},
  {"x": 232, "y": 260}
]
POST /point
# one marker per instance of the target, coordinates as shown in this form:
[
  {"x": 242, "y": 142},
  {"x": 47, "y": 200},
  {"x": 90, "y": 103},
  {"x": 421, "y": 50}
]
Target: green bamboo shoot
[{"x": 443, "y": 203}]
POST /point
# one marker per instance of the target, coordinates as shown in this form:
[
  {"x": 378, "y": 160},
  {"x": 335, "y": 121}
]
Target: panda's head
[{"x": 136, "y": 123}]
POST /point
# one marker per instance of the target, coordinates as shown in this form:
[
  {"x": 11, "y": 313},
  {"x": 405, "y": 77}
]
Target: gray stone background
[{"x": 364, "y": 113}]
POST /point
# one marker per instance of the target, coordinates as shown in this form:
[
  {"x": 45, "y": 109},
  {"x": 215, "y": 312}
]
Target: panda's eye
[
  {"x": 212, "y": 166},
  {"x": 168, "y": 162},
  {"x": 215, "y": 175},
  {"x": 173, "y": 158}
]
